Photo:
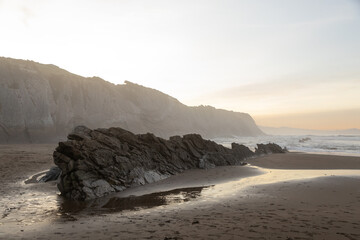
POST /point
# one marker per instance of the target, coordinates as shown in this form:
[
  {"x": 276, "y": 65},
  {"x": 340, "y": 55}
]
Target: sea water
[{"x": 348, "y": 145}]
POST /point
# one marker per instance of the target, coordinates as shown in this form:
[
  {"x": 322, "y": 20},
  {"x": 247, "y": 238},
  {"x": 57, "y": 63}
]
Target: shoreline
[
  {"x": 340, "y": 154},
  {"x": 298, "y": 160},
  {"x": 224, "y": 202}
]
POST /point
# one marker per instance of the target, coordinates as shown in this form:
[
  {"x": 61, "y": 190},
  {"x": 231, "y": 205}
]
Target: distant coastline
[{"x": 301, "y": 131}]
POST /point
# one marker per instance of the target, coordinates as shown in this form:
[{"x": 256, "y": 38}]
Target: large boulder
[{"x": 97, "y": 162}]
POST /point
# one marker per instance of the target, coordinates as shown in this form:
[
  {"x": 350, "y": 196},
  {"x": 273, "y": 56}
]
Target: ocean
[{"x": 346, "y": 145}]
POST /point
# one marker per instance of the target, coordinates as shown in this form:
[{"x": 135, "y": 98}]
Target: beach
[{"x": 278, "y": 196}]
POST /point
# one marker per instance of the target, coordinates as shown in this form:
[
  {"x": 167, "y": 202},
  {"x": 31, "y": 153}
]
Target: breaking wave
[{"x": 336, "y": 144}]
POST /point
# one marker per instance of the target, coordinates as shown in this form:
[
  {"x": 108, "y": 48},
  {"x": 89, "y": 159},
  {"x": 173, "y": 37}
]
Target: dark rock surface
[
  {"x": 97, "y": 162},
  {"x": 269, "y": 148},
  {"x": 51, "y": 175}
]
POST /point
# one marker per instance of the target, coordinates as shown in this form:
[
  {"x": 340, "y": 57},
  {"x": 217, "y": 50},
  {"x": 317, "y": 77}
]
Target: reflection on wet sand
[
  {"x": 40, "y": 203},
  {"x": 69, "y": 209}
]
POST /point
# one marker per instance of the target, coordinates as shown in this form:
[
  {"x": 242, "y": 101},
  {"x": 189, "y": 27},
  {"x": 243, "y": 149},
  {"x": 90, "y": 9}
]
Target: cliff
[{"x": 43, "y": 103}]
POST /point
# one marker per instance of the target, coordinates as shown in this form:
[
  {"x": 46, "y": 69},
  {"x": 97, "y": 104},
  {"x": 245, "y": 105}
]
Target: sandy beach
[{"x": 279, "y": 196}]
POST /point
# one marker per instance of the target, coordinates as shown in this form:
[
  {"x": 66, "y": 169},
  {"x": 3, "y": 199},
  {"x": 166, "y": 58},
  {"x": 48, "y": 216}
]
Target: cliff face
[{"x": 43, "y": 103}]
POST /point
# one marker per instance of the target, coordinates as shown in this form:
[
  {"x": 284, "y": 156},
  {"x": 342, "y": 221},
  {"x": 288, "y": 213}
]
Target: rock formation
[
  {"x": 269, "y": 148},
  {"x": 51, "y": 175},
  {"x": 41, "y": 103},
  {"x": 97, "y": 162}
]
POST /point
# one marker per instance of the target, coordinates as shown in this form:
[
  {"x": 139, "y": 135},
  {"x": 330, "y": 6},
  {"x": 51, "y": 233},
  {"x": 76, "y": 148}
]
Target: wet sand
[
  {"x": 222, "y": 203},
  {"x": 298, "y": 160}
]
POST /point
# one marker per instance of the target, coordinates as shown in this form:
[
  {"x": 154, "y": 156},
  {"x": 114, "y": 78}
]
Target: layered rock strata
[
  {"x": 42, "y": 103},
  {"x": 97, "y": 162}
]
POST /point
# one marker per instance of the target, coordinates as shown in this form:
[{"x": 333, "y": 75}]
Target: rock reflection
[{"x": 70, "y": 209}]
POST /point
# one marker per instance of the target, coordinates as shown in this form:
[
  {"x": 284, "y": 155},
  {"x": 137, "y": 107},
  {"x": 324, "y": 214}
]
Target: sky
[{"x": 286, "y": 63}]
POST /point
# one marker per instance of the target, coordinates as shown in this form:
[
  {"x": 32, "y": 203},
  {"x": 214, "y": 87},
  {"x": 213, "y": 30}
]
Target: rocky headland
[
  {"x": 41, "y": 103},
  {"x": 97, "y": 162}
]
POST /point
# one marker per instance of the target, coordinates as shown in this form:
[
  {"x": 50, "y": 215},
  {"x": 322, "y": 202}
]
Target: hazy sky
[{"x": 272, "y": 59}]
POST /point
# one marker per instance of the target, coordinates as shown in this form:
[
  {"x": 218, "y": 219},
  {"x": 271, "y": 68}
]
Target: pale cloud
[
  {"x": 324, "y": 120},
  {"x": 292, "y": 95},
  {"x": 27, "y": 14}
]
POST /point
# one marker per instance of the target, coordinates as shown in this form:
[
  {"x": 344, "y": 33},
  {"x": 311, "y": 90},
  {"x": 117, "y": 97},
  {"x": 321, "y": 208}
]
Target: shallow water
[
  {"x": 69, "y": 210},
  {"x": 345, "y": 145},
  {"x": 41, "y": 202},
  {"x": 41, "y": 205}
]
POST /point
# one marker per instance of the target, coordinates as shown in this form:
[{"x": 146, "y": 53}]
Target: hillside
[{"x": 43, "y": 103}]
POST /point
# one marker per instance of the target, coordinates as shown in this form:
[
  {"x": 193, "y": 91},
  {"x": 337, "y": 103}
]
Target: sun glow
[{"x": 270, "y": 58}]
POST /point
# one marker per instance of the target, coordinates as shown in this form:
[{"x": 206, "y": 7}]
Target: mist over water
[{"x": 348, "y": 145}]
